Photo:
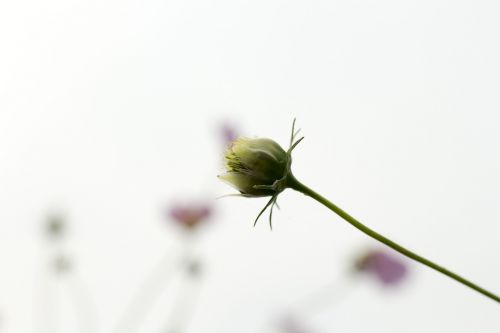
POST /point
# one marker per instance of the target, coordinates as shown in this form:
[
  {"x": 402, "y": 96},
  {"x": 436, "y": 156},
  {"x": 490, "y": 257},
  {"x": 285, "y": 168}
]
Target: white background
[{"x": 109, "y": 111}]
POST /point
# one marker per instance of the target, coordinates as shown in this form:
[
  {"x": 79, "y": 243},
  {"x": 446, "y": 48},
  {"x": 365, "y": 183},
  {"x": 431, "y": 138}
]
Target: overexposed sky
[{"x": 109, "y": 111}]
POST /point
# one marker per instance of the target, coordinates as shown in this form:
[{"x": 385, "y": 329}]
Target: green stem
[{"x": 298, "y": 186}]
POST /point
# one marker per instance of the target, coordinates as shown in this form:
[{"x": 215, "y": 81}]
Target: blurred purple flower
[
  {"x": 386, "y": 267},
  {"x": 229, "y": 133},
  {"x": 190, "y": 215}
]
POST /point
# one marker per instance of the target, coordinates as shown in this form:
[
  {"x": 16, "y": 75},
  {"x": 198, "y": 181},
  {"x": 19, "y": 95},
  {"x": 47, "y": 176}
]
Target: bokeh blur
[{"x": 114, "y": 116}]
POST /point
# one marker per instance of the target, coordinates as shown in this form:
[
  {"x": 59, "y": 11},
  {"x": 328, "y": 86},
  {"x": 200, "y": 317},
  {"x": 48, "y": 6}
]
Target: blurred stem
[
  {"x": 298, "y": 186},
  {"x": 327, "y": 296},
  {"x": 150, "y": 290},
  {"x": 47, "y": 305},
  {"x": 85, "y": 307},
  {"x": 185, "y": 301},
  {"x": 146, "y": 296}
]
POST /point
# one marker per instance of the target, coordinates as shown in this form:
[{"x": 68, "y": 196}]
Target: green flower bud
[
  {"x": 254, "y": 165},
  {"x": 259, "y": 168}
]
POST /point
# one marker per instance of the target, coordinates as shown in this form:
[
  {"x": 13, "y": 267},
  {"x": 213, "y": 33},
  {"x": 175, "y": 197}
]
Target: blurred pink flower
[
  {"x": 190, "y": 215},
  {"x": 384, "y": 266}
]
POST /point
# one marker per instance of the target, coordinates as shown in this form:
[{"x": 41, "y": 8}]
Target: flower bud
[
  {"x": 56, "y": 226},
  {"x": 260, "y": 168},
  {"x": 255, "y": 166}
]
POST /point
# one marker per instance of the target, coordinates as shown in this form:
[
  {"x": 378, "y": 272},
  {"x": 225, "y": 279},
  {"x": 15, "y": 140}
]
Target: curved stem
[{"x": 298, "y": 186}]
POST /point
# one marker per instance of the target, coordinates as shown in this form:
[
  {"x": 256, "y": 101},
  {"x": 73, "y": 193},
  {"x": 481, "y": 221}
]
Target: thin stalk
[
  {"x": 186, "y": 298},
  {"x": 298, "y": 186},
  {"x": 145, "y": 298},
  {"x": 325, "y": 297},
  {"x": 47, "y": 307},
  {"x": 85, "y": 308}
]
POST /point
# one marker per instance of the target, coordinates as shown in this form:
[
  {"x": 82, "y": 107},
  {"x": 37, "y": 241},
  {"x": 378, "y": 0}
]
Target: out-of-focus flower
[
  {"x": 386, "y": 267},
  {"x": 190, "y": 215},
  {"x": 228, "y": 133}
]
